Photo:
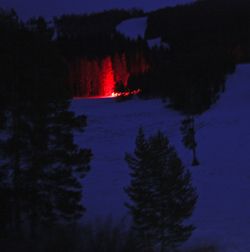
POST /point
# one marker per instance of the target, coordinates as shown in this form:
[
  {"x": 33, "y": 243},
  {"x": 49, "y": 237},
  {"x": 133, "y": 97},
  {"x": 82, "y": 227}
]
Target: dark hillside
[
  {"x": 205, "y": 23},
  {"x": 91, "y": 35}
]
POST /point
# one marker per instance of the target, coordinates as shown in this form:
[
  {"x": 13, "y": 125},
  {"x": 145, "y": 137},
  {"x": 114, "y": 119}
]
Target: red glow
[
  {"x": 97, "y": 78},
  {"x": 121, "y": 72},
  {"x": 107, "y": 77}
]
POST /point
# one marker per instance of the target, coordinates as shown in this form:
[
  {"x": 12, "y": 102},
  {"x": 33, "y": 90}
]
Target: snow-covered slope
[
  {"x": 157, "y": 42},
  {"x": 222, "y": 215},
  {"x": 133, "y": 28}
]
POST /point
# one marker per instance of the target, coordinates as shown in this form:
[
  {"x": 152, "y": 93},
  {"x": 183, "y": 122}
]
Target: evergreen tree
[
  {"x": 120, "y": 87},
  {"x": 12, "y": 124},
  {"x": 40, "y": 165},
  {"x": 161, "y": 194},
  {"x": 189, "y": 141},
  {"x": 122, "y": 92}
]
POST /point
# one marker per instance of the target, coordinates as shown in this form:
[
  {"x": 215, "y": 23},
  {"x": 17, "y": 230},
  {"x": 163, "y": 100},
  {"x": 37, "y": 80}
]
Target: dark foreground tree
[
  {"x": 40, "y": 165},
  {"x": 188, "y": 131},
  {"x": 161, "y": 194},
  {"x": 120, "y": 87}
]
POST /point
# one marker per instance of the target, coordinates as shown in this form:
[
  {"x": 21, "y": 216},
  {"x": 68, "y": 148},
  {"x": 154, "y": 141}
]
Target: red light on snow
[{"x": 97, "y": 77}]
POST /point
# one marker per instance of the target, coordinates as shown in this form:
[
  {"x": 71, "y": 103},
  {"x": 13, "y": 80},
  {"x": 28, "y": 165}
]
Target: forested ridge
[{"x": 206, "y": 39}]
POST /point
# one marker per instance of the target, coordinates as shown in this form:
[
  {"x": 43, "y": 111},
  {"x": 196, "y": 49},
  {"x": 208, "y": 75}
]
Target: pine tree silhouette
[
  {"x": 189, "y": 141},
  {"x": 161, "y": 194},
  {"x": 40, "y": 165}
]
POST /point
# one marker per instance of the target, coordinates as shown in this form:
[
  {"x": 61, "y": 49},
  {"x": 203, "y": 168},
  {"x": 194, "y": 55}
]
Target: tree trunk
[
  {"x": 16, "y": 174},
  {"x": 195, "y": 161}
]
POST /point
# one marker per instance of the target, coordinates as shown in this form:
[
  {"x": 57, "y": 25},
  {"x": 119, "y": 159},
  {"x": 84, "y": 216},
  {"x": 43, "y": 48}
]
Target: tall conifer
[
  {"x": 40, "y": 165},
  {"x": 161, "y": 193}
]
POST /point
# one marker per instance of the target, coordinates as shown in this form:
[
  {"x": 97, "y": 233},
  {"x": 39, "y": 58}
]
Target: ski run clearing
[{"x": 222, "y": 213}]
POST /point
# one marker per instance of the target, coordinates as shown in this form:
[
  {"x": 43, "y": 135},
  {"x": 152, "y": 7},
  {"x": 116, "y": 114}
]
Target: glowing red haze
[{"x": 88, "y": 78}]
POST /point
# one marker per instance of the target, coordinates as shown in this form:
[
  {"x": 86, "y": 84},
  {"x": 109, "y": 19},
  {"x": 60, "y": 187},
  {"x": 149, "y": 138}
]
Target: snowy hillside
[
  {"x": 157, "y": 42},
  {"x": 222, "y": 215},
  {"x": 133, "y": 28}
]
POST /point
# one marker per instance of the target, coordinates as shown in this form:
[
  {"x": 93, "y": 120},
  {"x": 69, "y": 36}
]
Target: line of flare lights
[
  {"x": 113, "y": 95},
  {"x": 127, "y": 93}
]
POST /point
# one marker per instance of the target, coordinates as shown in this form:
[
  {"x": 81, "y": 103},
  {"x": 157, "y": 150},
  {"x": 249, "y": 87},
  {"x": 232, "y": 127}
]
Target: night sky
[{"x": 49, "y": 8}]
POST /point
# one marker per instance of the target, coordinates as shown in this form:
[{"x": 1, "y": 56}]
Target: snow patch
[
  {"x": 157, "y": 42},
  {"x": 133, "y": 28}
]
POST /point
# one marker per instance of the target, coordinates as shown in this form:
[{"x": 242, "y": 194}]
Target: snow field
[{"x": 222, "y": 214}]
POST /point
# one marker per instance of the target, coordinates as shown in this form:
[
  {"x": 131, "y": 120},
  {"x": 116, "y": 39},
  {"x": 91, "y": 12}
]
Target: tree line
[
  {"x": 206, "y": 40},
  {"x": 93, "y": 35},
  {"x": 41, "y": 168},
  {"x": 190, "y": 74}
]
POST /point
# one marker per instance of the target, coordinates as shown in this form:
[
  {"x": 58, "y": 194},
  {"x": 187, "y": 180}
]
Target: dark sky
[{"x": 50, "y": 8}]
